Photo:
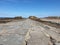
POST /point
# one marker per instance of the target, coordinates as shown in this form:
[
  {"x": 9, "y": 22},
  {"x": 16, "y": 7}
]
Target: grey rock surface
[{"x": 28, "y": 32}]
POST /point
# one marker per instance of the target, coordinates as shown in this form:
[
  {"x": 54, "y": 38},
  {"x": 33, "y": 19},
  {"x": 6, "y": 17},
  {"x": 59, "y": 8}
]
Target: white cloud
[
  {"x": 16, "y": 1},
  {"x": 8, "y": 0}
]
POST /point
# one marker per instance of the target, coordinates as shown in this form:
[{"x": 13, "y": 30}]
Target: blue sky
[{"x": 25, "y": 8}]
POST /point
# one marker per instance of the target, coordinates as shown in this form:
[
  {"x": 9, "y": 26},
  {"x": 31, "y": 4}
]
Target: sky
[{"x": 25, "y": 8}]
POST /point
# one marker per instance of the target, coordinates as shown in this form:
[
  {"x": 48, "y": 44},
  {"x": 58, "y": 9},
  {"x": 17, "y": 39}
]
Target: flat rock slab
[
  {"x": 37, "y": 37},
  {"x": 12, "y": 39},
  {"x": 26, "y": 32},
  {"x": 13, "y": 33},
  {"x": 53, "y": 32}
]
